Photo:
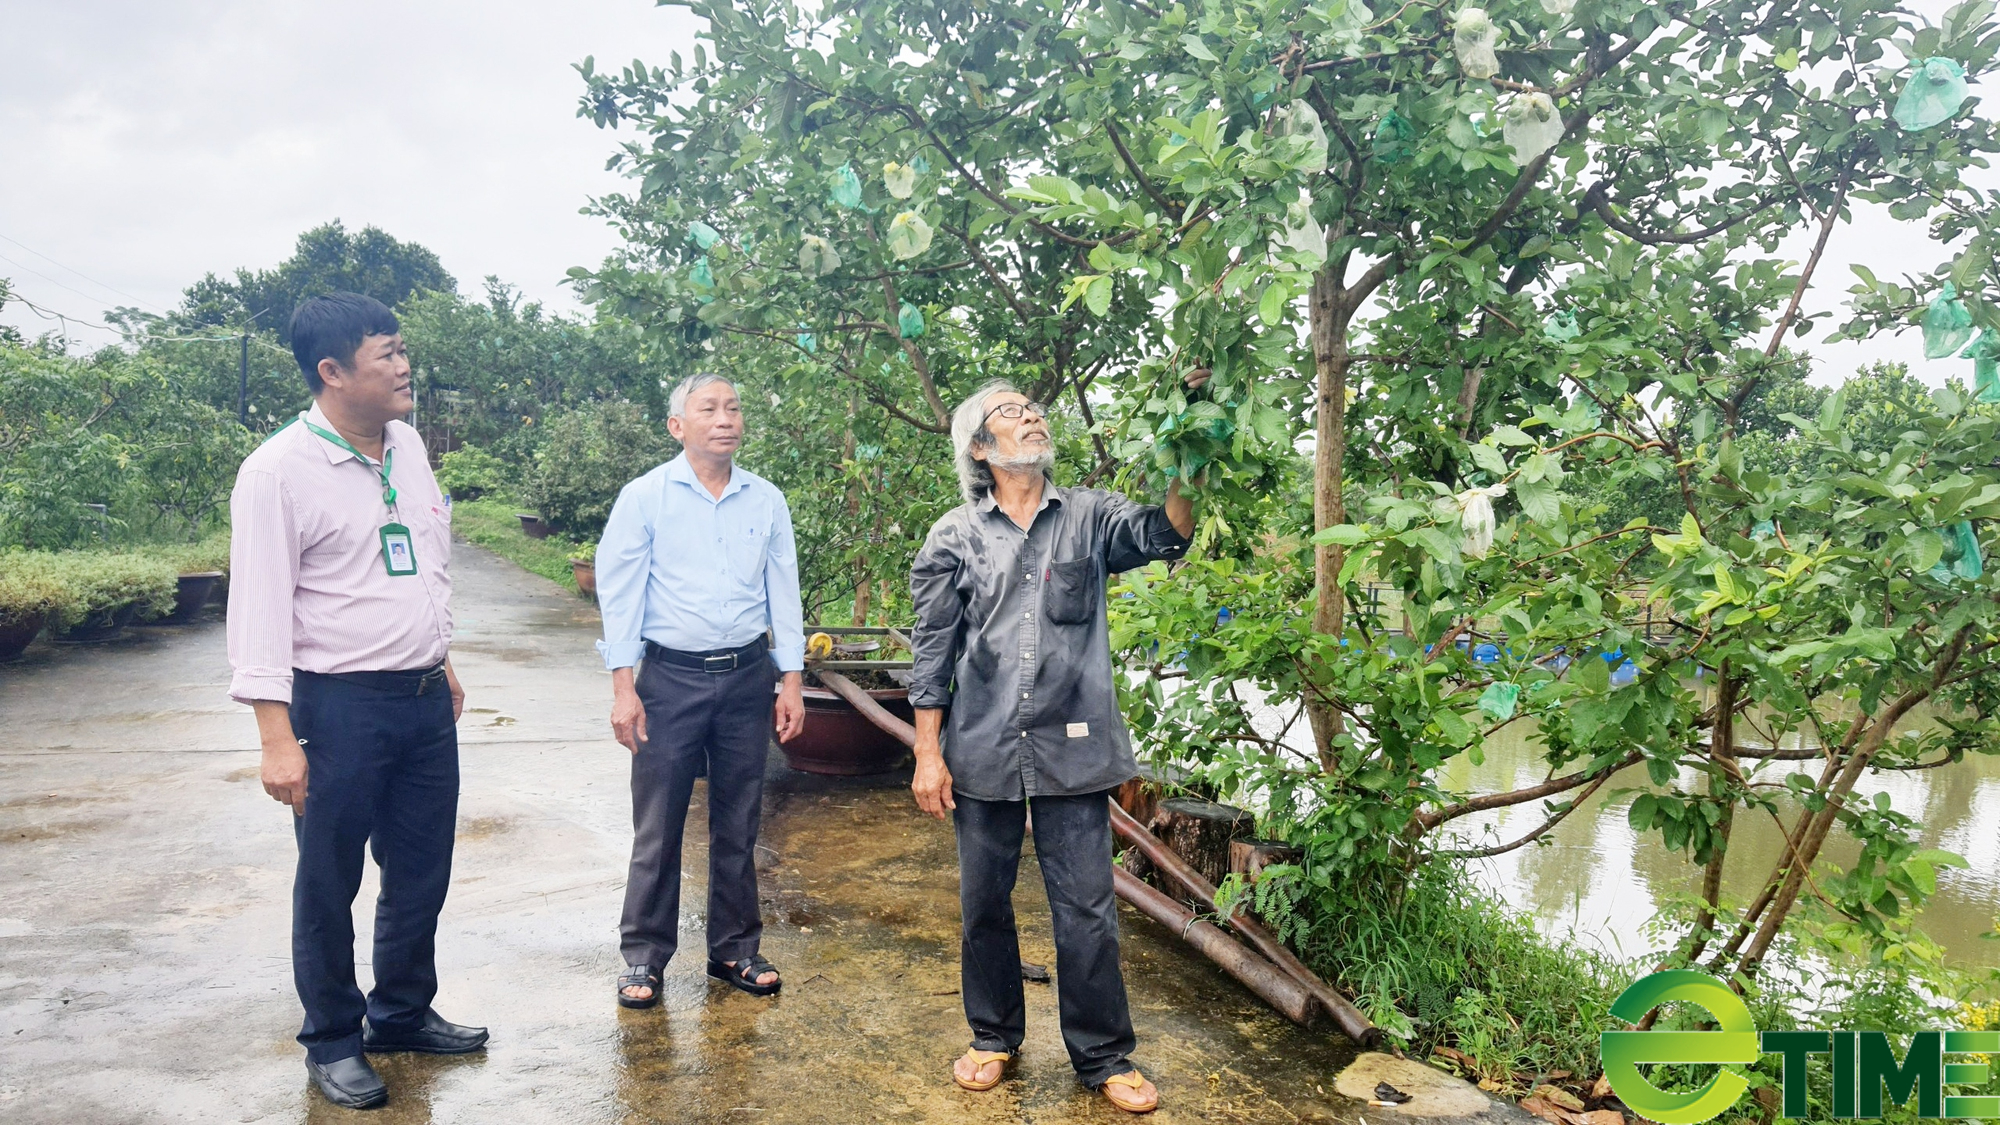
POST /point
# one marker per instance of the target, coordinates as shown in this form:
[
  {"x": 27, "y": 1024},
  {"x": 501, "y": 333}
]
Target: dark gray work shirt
[{"x": 1011, "y": 636}]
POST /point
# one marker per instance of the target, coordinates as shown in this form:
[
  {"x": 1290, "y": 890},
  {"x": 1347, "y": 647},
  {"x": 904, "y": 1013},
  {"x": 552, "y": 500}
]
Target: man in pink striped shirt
[{"x": 340, "y": 639}]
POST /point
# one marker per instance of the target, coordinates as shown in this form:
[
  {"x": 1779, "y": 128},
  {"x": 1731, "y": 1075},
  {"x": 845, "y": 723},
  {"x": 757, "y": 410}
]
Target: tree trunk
[
  {"x": 1722, "y": 751},
  {"x": 1329, "y": 319},
  {"x": 1200, "y": 832}
]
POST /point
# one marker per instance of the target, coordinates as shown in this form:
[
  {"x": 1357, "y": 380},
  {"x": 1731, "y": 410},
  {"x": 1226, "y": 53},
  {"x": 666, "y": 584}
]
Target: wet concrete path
[{"x": 144, "y": 914}]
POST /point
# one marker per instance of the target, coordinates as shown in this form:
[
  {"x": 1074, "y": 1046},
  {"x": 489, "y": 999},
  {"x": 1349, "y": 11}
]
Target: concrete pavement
[{"x": 144, "y": 913}]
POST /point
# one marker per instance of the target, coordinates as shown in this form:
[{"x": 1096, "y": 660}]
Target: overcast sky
[{"x": 148, "y": 143}]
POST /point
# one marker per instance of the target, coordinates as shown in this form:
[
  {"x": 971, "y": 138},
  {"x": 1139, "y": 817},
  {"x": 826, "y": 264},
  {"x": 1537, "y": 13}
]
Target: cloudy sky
[{"x": 151, "y": 141}]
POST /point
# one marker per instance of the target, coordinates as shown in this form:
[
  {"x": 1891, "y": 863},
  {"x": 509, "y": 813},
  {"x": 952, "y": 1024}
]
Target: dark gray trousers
[
  {"x": 1073, "y": 844},
  {"x": 723, "y": 720}
]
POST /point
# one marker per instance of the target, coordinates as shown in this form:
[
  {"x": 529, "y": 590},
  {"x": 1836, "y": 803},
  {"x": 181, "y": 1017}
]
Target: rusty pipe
[
  {"x": 863, "y": 702},
  {"x": 1345, "y": 1015},
  {"x": 1258, "y": 975}
]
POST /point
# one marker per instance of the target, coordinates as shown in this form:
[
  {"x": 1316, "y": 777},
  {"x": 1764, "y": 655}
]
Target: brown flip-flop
[
  {"x": 1134, "y": 1081},
  {"x": 979, "y": 1059}
]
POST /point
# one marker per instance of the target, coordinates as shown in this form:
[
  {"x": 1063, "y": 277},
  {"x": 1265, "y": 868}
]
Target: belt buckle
[{"x": 724, "y": 663}]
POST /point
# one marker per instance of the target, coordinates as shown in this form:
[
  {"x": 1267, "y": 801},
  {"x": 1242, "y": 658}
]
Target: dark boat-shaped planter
[
  {"x": 839, "y": 740},
  {"x": 532, "y": 525},
  {"x": 102, "y": 625},
  {"x": 16, "y": 634},
  {"x": 191, "y": 597}
]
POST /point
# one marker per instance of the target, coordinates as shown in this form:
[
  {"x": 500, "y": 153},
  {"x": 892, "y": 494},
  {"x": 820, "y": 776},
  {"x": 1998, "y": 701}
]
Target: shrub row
[{"x": 69, "y": 588}]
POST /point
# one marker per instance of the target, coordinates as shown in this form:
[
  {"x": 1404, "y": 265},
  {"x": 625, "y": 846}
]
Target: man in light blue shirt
[{"x": 696, "y": 565}]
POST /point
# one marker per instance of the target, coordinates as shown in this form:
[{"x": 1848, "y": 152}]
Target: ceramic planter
[
  {"x": 532, "y": 525},
  {"x": 586, "y": 575},
  {"x": 102, "y": 625},
  {"x": 17, "y": 633},
  {"x": 840, "y": 740},
  {"x": 191, "y": 597}
]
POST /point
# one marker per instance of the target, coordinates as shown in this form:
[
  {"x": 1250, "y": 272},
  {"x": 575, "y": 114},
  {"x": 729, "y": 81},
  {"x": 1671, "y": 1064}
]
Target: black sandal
[
  {"x": 639, "y": 976},
  {"x": 744, "y": 974}
]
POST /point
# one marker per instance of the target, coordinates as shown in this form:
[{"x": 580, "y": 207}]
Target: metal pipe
[
  {"x": 1345, "y": 1015},
  {"x": 1277, "y": 988},
  {"x": 863, "y": 702}
]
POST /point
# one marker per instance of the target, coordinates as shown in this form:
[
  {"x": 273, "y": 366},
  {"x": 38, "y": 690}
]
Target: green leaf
[
  {"x": 1198, "y": 49},
  {"x": 1540, "y": 501},
  {"x": 1097, "y": 295},
  {"x": 1271, "y": 306},
  {"x": 1488, "y": 458},
  {"x": 1346, "y": 534}
]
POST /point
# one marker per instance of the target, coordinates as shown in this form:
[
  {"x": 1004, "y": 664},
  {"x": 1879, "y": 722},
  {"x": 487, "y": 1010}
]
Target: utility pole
[{"x": 243, "y": 385}]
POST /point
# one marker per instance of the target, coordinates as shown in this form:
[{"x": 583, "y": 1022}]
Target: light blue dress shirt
[{"x": 689, "y": 571}]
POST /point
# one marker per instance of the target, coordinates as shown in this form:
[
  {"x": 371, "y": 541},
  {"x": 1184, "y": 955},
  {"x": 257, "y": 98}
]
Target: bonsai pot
[
  {"x": 102, "y": 625},
  {"x": 586, "y": 575},
  {"x": 839, "y": 740},
  {"x": 532, "y": 525},
  {"x": 17, "y": 633},
  {"x": 192, "y": 597}
]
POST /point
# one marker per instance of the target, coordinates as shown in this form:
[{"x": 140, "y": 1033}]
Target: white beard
[{"x": 1024, "y": 462}]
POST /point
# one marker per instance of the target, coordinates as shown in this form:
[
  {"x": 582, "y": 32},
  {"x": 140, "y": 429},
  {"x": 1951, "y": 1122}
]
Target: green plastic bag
[
  {"x": 1985, "y": 356},
  {"x": 703, "y": 279},
  {"x": 910, "y": 321},
  {"x": 807, "y": 342},
  {"x": 1764, "y": 529},
  {"x": 1947, "y": 324},
  {"x": 1961, "y": 558},
  {"x": 1561, "y": 325},
  {"x": 845, "y": 187},
  {"x": 703, "y": 235},
  {"x": 1932, "y": 95},
  {"x": 1393, "y": 136},
  {"x": 1499, "y": 700}
]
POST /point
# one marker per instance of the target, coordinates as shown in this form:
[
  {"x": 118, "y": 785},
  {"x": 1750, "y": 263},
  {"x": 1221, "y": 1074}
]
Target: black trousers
[
  {"x": 1073, "y": 843},
  {"x": 381, "y": 770},
  {"x": 695, "y": 718}
]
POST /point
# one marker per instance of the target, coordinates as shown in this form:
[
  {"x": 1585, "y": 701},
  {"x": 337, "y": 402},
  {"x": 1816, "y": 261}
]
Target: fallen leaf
[
  {"x": 1600, "y": 1089},
  {"x": 1556, "y": 1095},
  {"x": 1543, "y": 1110},
  {"x": 1601, "y": 1117}
]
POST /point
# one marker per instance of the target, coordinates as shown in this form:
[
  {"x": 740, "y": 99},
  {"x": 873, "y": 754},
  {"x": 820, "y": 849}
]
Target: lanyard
[{"x": 388, "y": 455}]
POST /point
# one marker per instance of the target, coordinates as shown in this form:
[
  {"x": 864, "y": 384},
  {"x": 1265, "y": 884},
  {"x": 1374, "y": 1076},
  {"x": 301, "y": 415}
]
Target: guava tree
[{"x": 1501, "y": 264}]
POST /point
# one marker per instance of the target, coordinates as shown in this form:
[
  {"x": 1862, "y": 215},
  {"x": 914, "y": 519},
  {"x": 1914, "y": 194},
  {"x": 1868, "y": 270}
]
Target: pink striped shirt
[{"x": 307, "y": 586}]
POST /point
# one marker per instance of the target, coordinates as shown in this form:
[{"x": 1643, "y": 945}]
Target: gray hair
[
  {"x": 969, "y": 432},
  {"x": 677, "y": 403}
]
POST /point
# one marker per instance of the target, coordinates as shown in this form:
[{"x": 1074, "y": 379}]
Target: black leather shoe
[
  {"x": 435, "y": 1036},
  {"x": 350, "y": 1083}
]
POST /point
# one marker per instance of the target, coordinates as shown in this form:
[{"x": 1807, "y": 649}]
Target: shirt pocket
[
  {"x": 745, "y": 546},
  {"x": 1071, "y": 595}
]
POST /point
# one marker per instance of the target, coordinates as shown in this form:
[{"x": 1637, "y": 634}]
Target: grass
[{"x": 491, "y": 523}]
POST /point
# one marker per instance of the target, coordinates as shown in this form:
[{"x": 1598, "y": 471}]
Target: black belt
[
  {"x": 413, "y": 681},
  {"x": 717, "y": 660}
]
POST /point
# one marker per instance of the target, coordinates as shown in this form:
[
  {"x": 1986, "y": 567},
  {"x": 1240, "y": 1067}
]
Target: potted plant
[
  {"x": 201, "y": 568},
  {"x": 533, "y": 525},
  {"x": 583, "y": 565},
  {"x": 103, "y": 592},
  {"x": 26, "y": 597}
]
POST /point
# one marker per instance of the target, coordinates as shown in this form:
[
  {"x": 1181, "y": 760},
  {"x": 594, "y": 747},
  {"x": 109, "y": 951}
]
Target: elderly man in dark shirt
[{"x": 1011, "y": 640}]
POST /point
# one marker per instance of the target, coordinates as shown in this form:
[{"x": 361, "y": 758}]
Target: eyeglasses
[{"x": 1015, "y": 410}]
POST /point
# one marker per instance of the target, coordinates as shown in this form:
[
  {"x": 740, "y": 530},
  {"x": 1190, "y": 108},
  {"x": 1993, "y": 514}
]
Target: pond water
[{"x": 1597, "y": 880}]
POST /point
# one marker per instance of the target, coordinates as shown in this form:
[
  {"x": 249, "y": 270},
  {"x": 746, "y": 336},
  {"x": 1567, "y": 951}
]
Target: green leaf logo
[{"x": 1624, "y": 1051}]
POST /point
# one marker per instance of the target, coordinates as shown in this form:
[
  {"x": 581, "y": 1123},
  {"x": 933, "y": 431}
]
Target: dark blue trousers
[
  {"x": 1073, "y": 843},
  {"x": 381, "y": 770}
]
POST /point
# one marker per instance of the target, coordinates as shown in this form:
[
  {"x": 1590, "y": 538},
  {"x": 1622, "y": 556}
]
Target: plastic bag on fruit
[
  {"x": 900, "y": 179},
  {"x": 1932, "y": 95},
  {"x": 909, "y": 321},
  {"x": 1559, "y": 7},
  {"x": 909, "y": 235},
  {"x": 1947, "y": 324},
  {"x": 817, "y": 257},
  {"x": 844, "y": 187},
  {"x": 1475, "y": 518},
  {"x": 1472, "y": 39},
  {"x": 1531, "y": 125},
  {"x": 1303, "y": 233},
  {"x": 1561, "y": 325},
  {"x": 1985, "y": 356},
  {"x": 1302, "y": 122},
  {"x": 1393, "y": 135}
]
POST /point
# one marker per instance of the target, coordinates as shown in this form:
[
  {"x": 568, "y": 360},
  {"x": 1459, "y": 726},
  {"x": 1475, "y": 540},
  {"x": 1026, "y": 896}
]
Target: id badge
[{"x": 398, "y": 554}]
